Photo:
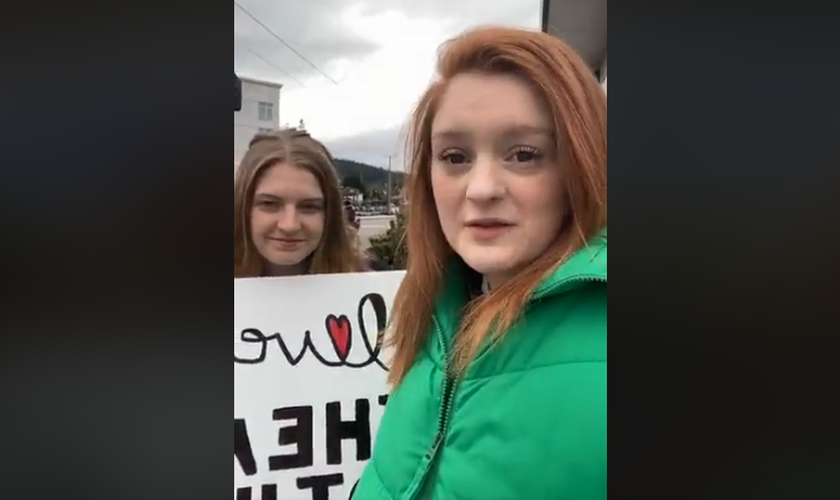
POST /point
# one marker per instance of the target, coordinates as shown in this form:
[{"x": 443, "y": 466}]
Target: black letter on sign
[
  {"x": 358, "y": 429},
  {"x": 299, "y": 434},
  {"x": 320, "y": 485},
  {"x": 242, "y": 447},
  {"x": 269, "y": 492}
]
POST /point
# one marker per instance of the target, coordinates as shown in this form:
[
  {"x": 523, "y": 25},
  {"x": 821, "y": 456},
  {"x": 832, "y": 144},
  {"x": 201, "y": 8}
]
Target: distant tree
[
  {"x": 354, "y": 181},
  {"x": 370, "y": 175}
]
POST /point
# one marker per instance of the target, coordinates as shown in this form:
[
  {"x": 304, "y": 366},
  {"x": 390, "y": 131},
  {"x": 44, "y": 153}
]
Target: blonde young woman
[
  {"x": 288, "y": 217},
  {"x": 500, "y": 325}
]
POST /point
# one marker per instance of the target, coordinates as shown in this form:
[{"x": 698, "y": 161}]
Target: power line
[
  {"x": 276, "y": 36},
  {"x": 278, "y": 68}
]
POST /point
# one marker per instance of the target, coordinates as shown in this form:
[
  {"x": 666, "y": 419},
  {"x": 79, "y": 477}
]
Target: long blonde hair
[
  {"x": 335, "y": 252},
  {"x": 579, "y": 109}
]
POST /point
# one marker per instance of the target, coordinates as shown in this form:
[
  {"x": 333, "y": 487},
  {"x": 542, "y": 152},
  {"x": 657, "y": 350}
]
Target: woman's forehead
[
  {"x": 498, "y": 104},
  {"x": 288, "y": 181}
]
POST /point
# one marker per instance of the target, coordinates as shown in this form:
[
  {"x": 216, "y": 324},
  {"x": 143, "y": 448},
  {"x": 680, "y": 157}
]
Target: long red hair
[
  {"x": 336, "y": 252},
  {"x": 578, "y": 105}
]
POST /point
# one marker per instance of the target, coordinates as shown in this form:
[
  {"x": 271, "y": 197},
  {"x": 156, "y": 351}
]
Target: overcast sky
[{"x": 381, "y": 53}]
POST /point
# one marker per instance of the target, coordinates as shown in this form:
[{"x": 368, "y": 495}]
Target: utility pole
[{"x": 389, "y": 183}]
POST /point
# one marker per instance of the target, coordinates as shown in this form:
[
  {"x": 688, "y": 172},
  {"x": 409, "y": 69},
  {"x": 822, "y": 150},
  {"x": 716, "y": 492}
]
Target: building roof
[
  {"x": 261, "y": 82},
  {"x": 580, "y": 23}
]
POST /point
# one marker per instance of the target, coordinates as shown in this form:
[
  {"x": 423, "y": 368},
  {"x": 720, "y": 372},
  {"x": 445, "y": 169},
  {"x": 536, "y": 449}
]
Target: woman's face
[
  {"x": 495, "y": 174},
  {"x": 287, "y": 217}
]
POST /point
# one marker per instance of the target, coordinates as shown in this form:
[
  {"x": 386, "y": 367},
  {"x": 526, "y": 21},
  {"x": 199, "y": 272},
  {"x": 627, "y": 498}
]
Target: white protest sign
[{"x": 309, "y": 382}]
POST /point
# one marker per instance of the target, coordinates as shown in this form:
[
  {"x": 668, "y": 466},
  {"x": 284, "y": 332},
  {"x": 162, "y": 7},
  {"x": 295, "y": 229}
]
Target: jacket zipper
[
  {"x": 416, "y": 485},
  {"x": 448, "y": 389}
]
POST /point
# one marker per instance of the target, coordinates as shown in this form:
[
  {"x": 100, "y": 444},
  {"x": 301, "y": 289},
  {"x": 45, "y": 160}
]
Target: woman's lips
[{"x": 488, "y": 231}]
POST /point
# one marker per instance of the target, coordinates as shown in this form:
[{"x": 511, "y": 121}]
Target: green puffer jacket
[{"x": 528, "y": 420}]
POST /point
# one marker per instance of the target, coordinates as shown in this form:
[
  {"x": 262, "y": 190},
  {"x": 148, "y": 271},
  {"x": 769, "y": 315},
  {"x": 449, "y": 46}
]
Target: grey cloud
[
  {"x": 462, "y": 14},
  {"x": 371, "y": 147},
  {"x": 314, "y": 29}
]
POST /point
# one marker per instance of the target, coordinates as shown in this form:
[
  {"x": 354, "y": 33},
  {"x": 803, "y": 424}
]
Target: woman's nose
[
  {"x": 289, "y": 220},
  {"x": 484, "y": 182}
]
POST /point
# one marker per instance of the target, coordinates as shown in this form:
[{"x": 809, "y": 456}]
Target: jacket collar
[{"x": 586, "y": 265}]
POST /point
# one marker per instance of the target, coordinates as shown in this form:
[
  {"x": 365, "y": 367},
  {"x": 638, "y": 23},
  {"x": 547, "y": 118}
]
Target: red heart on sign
[{"x": 338, "y": 328}]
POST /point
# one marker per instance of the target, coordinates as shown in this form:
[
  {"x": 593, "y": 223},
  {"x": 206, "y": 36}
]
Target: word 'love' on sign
[{"x": 309, "y": 382}]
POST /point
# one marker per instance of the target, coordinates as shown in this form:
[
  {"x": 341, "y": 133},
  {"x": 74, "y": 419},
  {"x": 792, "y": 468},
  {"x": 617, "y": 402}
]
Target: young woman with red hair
[{"x": 500, "y": 325}]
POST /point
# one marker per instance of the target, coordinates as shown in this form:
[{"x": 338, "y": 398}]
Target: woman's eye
[
  {"x": 457, "y": 158},
  {"x": 526, "y": 155},
  {"x": 453, "y": 157}
]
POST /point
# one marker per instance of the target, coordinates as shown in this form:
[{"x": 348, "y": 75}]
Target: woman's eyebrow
[{"x": 523, "y": 130}]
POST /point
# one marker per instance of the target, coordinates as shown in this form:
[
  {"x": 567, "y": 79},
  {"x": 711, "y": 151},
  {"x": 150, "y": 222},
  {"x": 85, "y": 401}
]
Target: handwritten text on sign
[{"x": 310, "y": 382}]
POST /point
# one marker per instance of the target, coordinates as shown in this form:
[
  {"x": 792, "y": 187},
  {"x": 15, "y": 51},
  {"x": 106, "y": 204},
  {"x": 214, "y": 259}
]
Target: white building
[
  {"x": 260, "y": 112},
  {"x": 583, "y": 25}
]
